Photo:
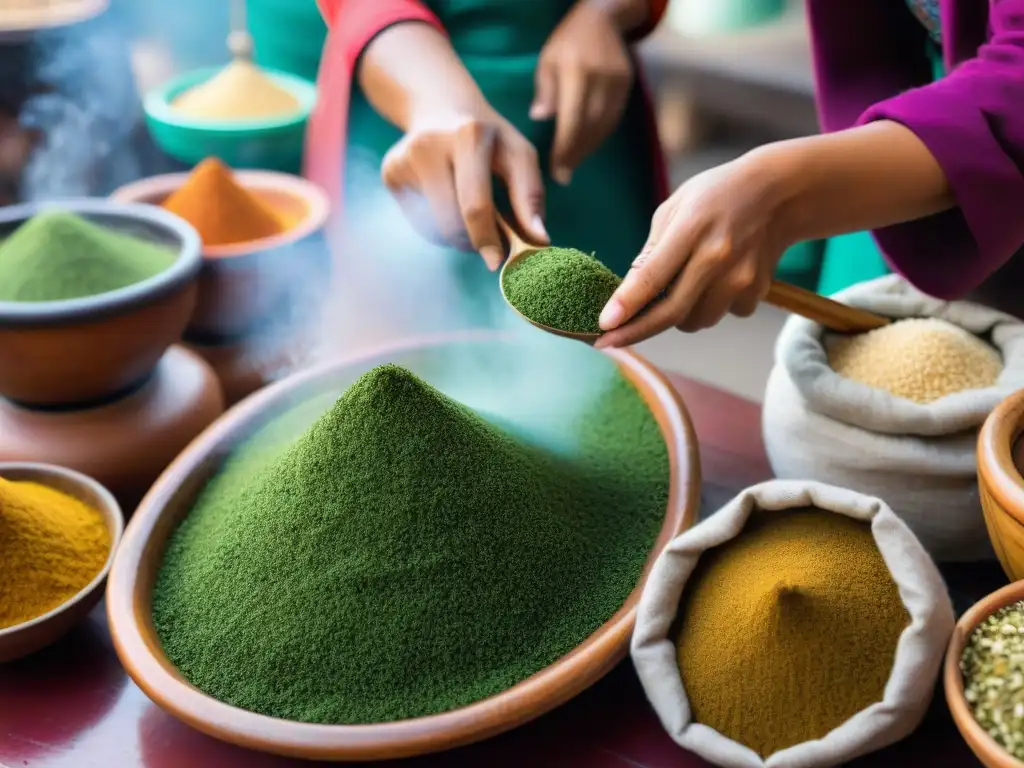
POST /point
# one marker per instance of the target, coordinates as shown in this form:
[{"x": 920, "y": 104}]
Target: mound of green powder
[
  {"x": 404, "y": 557},
  {"x": 57, "y": 256},
  {"x": 561, "y": 288}
]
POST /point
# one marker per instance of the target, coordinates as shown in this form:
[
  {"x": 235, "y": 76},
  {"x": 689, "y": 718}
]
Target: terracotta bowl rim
[
  {"x": 996, "y": 467},
  {"x": 157, "y": 104},
  {"x": 113, "y": 518},
  {"x": 299, "y": 188},
  {"x": 73, "y": 12},
  {"x": 983, "y": 745},
  {"x": 552, "y": 686},
  {"x": 184, "y": 269}
]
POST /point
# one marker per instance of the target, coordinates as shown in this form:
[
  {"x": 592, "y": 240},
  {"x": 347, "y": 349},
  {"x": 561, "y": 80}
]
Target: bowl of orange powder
[
  {"x": 265, "y": 259},
  {"x": 60, "y": 530}
]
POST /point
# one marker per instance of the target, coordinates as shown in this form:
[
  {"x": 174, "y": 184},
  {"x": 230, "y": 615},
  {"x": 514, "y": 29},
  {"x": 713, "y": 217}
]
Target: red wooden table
[{"x": 72, "y": 706}]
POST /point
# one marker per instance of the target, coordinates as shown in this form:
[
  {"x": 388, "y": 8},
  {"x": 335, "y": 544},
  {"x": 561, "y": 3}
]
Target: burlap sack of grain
[
  {"x": 919, "y": 458},
  {"x": 915, "y": 666}
]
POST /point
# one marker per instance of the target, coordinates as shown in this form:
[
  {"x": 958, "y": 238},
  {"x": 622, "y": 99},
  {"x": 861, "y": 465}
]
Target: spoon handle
[
  {"x": 832, "y": 314},
  {"x": 516, "y": 244}
]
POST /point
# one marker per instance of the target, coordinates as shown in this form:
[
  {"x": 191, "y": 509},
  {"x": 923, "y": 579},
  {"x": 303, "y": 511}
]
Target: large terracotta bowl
[
  {"x": 30, "y": 636},
  {"x": 1000, "y": 484},
  {"x": 78, "y": 352},
  {"x": 984, "y": 746},
  {"x": 244, "y": 286},
  {"x": 171, "y": 498}
]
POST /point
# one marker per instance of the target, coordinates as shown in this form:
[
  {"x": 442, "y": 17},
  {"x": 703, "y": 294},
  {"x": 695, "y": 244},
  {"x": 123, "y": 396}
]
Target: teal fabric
[
  {"x": 801, "y": 264},
  {"x": 855, "y": 257},
  {"x": 607, "y": 208},
  {"x": 288, "y": 35}
]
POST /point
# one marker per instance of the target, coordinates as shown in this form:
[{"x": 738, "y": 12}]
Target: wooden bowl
[
  {"x": 127, "y": 443},
  {"x": 1000, "y": 484},
  {"x": 245, "y": 285},
  {"x": 984, "y": 746},
  {"x": 28, "y": 637},
  {"x": 171, "y": 498},
  {"x": 20, "y": 19},
  {"x": 77, "y": 352}
]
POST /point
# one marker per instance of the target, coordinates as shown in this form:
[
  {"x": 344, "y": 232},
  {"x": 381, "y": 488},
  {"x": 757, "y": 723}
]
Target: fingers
[
  {"x": 667, "y": 248},
  {"x": 686, "y": 294},
  {"x": 421, "y": 181},
  {"x": 474, "y": 148},
  {"x": 545, "y": 97},
  {"x": 572, "y": 97},
  {"x": 517, "y": 164}
]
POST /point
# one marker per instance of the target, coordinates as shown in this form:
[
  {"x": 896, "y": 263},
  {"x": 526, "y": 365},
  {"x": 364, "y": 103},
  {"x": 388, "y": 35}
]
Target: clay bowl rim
[
  {"x": 984, "y": 746},
  {"x": 157, "y": 104},
  {"x": 136, "y": 645},
  {"x": 996, "y": 467},
  {"x": 113, "y": 518},
  {"x": 586, "y": 338},
  {"x": 184, "y": 269},
  {"x": 148, "y": 190},
  {"x": 63, "y": 15}
]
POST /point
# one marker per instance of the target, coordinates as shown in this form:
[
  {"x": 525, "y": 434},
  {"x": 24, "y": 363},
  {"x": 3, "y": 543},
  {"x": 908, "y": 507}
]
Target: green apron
[
  {"x": 607, "y": 208},
  {"x": 855, "y": 257}
]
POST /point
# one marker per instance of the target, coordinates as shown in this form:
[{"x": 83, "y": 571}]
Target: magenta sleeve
[{"x": 972, "y": 121}]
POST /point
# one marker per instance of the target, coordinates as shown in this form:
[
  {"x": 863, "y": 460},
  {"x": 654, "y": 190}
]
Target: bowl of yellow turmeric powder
[
  {"x": 264, "y": 254},
  {"x": 59, "y": 530},
  {"x": 1001, "y": 482}
]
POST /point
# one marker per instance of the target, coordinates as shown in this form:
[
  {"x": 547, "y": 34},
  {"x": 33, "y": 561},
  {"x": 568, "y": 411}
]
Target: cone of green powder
[
  {"x": 561, "y": 288},
  {"x": 56, "y": 256},
  {"x": 405, "y": 557}
]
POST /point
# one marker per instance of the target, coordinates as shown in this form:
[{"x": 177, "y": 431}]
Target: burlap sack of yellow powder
[
  {"x": 792, "y": 629},
  {"x": 918, "y": 456}
]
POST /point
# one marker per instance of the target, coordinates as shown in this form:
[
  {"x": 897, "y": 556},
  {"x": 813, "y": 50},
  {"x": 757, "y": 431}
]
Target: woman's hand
[
  {"x": 713, "y": 248},
  {"x": 440, "y": 173},
  {"x": 583, "y": 81}
]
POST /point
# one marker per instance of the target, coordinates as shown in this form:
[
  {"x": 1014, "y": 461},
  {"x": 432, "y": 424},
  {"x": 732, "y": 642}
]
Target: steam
[
  {"x": 390, "y": 285},
  {"x": 383, "y": 284}
]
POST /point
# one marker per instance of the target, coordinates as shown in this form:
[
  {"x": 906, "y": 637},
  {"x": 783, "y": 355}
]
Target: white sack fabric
[
  {"x": 918, "y": 653},
  {"x": 918, "y": 457}
]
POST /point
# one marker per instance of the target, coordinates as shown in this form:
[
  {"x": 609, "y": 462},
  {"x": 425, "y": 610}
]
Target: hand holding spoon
[{"x": 829, "y": 313}]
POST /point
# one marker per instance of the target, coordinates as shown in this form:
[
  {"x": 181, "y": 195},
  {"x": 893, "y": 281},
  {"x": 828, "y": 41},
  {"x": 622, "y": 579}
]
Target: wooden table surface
[{"x": 72, "y": 706}]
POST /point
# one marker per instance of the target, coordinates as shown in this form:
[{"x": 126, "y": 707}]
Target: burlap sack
[
  {"x": 920, "y": 458},
  {"x": 918, "y": 653}
]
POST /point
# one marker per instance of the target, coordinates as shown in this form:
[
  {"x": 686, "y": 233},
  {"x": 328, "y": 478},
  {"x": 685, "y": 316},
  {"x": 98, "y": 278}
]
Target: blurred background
[{"x": 728, "y": 75}]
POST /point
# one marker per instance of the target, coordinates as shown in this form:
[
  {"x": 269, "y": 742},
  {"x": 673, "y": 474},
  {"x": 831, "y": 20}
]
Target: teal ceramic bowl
[{"x": 270, "y": 143}]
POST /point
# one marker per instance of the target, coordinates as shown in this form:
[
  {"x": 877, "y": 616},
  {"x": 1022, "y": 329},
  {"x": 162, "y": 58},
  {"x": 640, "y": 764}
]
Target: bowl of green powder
[
  {"x": 92, "y": 292},
  {"x": 373, "y": 560},
  {"x": 559, "y": 290},
  {"x": 984, "y": 677}
]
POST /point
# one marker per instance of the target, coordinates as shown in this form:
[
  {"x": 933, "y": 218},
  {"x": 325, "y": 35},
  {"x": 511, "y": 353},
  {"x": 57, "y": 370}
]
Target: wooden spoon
[{"x": 832, "y": 314}]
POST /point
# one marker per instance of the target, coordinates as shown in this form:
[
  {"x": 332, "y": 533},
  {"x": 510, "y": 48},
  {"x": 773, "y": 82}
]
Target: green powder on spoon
[
  {"x": 58, "y": 256},
  {"x": 404, "y": 557},
  {"x": 561, "y": 288}
]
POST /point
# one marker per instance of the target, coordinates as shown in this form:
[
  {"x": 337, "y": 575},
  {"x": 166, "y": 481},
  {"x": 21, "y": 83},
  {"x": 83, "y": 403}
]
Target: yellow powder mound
[
  {"x": 918, "y": 359},
  {"x": 240, "y": 91},
  {"x": 52, "y": 545},
  {"x": 222, "y": 211},
  {"x": 788, "y": 630}
]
